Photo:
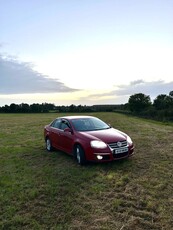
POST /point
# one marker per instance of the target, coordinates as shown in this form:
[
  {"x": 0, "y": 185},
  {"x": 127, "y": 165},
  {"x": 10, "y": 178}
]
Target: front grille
[{"x": 115, "y": 145}]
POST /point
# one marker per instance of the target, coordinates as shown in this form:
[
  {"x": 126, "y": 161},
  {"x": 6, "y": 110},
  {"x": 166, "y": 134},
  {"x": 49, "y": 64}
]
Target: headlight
[
  {"x": 129, "y": 140},
  {"x": 98, "y": 144}
]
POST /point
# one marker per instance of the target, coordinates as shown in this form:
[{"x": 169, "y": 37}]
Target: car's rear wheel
[
  {"x": 48, "y": 145},
  {"x": 80, "y": 155}
]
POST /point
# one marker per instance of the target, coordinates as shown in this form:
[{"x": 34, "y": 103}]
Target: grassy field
[{"x": 39, "y": 190}]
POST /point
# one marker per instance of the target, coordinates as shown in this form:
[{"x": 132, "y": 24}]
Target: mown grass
[{"x": 39, "y": 190}]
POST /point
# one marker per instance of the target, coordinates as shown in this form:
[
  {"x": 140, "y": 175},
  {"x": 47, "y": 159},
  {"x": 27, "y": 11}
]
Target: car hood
[{"x": 106, "y": 135}]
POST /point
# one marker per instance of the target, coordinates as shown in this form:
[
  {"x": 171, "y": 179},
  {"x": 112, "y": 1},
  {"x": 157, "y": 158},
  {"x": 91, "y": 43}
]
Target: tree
[
  {"x": 14, "y": 108},
  {"x": 139, "y": 102},
  {"x": 72, "y": 108},
  {"x": 171, "y": 94},
  {"x": 24, "y": 108},
  {"x": 163, "y": 101},
  {"x": 36, "y": 108}
]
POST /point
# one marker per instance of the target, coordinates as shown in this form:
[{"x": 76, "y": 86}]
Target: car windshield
[{"x": 89, "y": 124}]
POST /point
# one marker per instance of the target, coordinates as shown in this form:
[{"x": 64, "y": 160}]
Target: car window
[
  {"x": 56, "y": 123},
  {"x": 98, "y": 124},
  {"x": 64, "y": 124},
  {"x": 79, "y": 124},
  {"x": 89, "y": 124}
]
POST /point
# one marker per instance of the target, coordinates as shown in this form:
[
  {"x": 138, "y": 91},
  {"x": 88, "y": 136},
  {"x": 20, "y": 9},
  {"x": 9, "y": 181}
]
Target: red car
[{"x": 87, "y": 138}]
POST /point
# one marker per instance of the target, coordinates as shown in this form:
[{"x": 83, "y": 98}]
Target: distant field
[{"x": 39, "y": 190}]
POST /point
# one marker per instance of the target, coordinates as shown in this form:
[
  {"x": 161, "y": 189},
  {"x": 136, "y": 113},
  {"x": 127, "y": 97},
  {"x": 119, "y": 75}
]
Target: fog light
[{"x": 99, "y": 157}]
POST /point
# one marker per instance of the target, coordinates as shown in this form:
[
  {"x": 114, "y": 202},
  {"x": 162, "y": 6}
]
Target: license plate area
[{"x": 120, "y": 150}]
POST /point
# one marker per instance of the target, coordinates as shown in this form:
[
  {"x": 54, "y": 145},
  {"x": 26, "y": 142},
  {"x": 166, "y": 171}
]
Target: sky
[{"x": 84, "y": 51}]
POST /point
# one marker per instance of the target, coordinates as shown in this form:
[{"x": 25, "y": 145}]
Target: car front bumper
[{"x": 112, "y": 156}]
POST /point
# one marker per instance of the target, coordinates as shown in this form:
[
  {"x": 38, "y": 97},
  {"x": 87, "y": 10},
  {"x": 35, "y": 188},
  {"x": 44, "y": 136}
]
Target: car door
[
  {"x": 65, "y": 137},
  {"x": 55, "y": 133}
]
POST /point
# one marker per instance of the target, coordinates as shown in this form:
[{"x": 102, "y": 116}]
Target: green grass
[{"x": 39, "y": 190}]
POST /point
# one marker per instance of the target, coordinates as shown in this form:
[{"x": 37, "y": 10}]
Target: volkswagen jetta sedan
[{"x": 87, "y": 138}]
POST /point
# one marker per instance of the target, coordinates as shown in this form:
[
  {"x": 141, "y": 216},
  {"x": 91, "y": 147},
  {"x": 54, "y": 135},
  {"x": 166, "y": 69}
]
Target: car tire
[
  {"x": 48, "y": 145},
  {"x": 79, "y": 155}
]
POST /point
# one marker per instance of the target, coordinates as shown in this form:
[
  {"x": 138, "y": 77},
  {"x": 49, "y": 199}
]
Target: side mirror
[{"x": 68, "y": 130}]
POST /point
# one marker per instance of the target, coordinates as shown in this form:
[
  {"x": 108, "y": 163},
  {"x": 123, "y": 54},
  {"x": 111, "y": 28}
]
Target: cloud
[
  {"x": 137, "y": 82},
  {"x": 20, "y": 78},
  {"x": 123, "y": 92},
  {"x": 152, "y": 88}
]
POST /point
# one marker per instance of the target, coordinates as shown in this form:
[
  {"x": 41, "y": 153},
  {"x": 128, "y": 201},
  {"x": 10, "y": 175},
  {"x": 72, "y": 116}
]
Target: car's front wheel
[
  {"x": 48, "y": 145},
  {"x": 79, "y": 155}
]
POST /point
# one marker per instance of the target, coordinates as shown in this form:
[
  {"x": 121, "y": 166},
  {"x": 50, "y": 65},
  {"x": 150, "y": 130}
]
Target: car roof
[{"x": 75, "y": 117}]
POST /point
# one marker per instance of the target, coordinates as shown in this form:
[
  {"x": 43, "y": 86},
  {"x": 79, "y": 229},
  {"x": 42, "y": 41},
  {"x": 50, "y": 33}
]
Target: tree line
[
  {"x": 26, "y": 108},
  {"x": 138, "y": 104},
  {"x": 49, "y": 107}
]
